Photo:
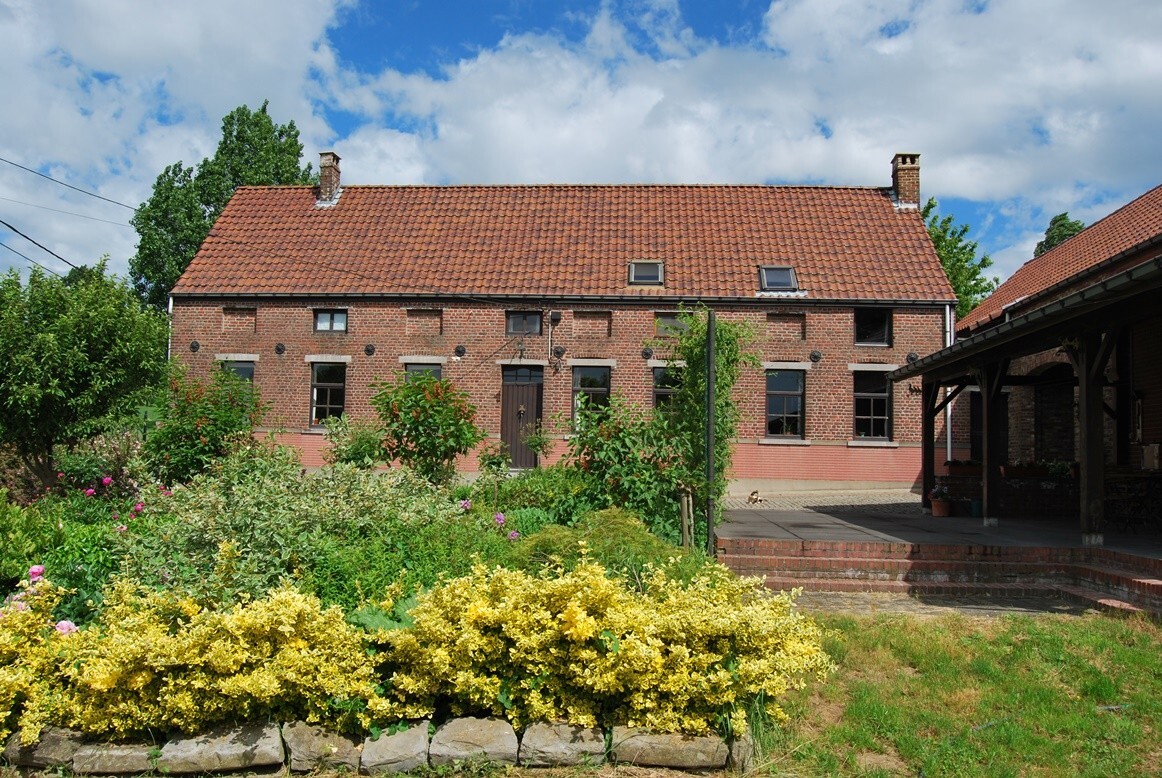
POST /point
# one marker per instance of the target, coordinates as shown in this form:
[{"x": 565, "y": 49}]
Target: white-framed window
[
  {"x": 330, "y": 321},
  {"x": 872, "y": 414},
  {"x": 522, "y": 322}
]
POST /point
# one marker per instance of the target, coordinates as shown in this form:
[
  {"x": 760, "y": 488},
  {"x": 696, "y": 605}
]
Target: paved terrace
[{"x": 895, "y": 516}]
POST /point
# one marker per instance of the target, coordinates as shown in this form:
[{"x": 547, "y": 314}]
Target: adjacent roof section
[
  {"x": 1070, "y": 265},
  {"x": 843, "y": 243}
]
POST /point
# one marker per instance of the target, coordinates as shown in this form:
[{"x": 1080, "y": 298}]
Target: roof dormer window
[
  {"x": 775, "y": 278},
  {"x": 646, "y": 273}
]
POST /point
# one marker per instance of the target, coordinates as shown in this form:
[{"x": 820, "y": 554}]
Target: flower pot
[{"x": 942, "y": 507}]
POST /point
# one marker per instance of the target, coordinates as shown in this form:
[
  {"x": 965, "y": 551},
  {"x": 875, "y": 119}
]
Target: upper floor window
[
  {"x": 330, "y": 321},
  {"x": 646, "y": 273},
  {"x": 669, "y": 325},
  {"x": 873, "y": 326},
  {"x": 777, "y": 279},
  {"x": 785, "y": 403},
  {"x": 873, "y": 404},
  {"x": 522, "y": 323}
]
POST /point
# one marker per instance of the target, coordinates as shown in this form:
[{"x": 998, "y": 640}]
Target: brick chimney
[
  {"x": 905, "y": 180},
  {"x": 328, "y": 176}
]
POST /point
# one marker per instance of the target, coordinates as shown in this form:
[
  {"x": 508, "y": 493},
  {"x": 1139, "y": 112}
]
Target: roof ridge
[{"x": 813, "y": 187}]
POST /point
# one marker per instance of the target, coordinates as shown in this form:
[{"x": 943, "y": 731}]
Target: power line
[
  {"x": 30, "y": 259},
  {"x": 62, "y": 183},
  {"x": 67, "y": 213},
  {"x": 38, "y": 244}
]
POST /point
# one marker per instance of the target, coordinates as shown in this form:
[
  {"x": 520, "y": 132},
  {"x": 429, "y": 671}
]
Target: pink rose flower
[
  {"x": 90, "y": 492},
  {"x": 106, "y": 480},
  {"x": 35, "y": 573},
  {"x": 139, "y": 507}
]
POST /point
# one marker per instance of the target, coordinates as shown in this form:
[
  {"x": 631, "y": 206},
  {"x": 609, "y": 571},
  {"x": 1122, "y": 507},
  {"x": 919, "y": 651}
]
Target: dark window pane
[
  {"x": 244, "y": 370},
  {"x": 434, "y": 370},
  {"x": 776, "y": 278},
  {"x": 591, "y": 378},
  {"x": 327, "y": 373},
  {"x": 869, "y": 382},
  {"x": 523, "y": 322},
  {"x": 645, "y": 272},
  {"x": 873, "y": 326},
  {"x": 785, "y": 390},
  {"x": 784, "y": 380}
]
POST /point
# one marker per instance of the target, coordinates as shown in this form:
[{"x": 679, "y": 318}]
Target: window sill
[
  {"x": 873, "y": 345},
  {"x": 872, "y": 443},
  {"x": 784, "y": 442}
]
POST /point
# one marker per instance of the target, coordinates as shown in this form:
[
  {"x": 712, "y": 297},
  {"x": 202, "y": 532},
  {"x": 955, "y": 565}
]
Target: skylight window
[
  {"x": 777, "y": 279},
  {"x": 646, "y": 273}
]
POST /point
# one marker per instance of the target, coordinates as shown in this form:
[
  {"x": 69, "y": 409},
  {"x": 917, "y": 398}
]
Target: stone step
[
  {"x": 1111, "y": 576},
  {"x": 1078, "y": 594}
]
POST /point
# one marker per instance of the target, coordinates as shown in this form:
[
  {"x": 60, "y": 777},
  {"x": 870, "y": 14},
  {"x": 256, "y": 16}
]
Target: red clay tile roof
[
  {"x": 543, "y": 241},
  {"x": 1129, "y": 226}
]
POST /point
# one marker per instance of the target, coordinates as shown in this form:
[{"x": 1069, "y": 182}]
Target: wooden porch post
[
  {"x": 990, "y": 379},
  {"x": 1092, "y": 355},
  {"x": 929, "y": 394}
]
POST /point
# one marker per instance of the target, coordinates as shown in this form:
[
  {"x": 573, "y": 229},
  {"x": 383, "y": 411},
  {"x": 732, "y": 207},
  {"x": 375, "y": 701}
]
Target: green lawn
[{"x": 959, "y": 696}]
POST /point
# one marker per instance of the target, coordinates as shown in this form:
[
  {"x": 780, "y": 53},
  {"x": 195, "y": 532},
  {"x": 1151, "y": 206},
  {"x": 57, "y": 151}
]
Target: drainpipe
[
  {"x": 169, "y": 329},
  {"x": 949, "y": 337}
]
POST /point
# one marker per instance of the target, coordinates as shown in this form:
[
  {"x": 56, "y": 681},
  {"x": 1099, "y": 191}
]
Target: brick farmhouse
[{"x": 528, "y": 296}]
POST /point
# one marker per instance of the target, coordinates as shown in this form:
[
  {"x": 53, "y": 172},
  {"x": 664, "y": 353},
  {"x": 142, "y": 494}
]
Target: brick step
[
  {"x": 1115, "y": 579},
  {"x": 851, "y": 574},
  {"x": 742, "y": 548},
  {"x": 1078, "y": 594}
]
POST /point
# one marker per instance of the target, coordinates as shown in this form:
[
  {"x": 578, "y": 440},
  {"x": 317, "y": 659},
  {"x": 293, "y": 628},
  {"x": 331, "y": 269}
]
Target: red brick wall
[{"x": 606, "y": 332}]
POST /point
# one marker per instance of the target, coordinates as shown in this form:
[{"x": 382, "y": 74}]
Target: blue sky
[{"x": 1021, "y": 109}]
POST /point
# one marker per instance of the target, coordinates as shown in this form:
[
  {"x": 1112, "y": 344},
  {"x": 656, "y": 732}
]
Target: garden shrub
[
  {"x": 23, "y": 536},
  {"x": 564, "y": 492},
  {"x": 427, "y": 422},
  {"x": 341, "y": 532},
  {"x": 353, "y": 442},
  {"x": 108, "y": 464},
  {"x": 631, "y": 460},
  {"x": 585, "y": 648},
  {"x": 615, "y": 539},
  {"x": 201, "y": 423},
  {"x": 155, "y": 660},
  {"x": 28, "y": 654}
]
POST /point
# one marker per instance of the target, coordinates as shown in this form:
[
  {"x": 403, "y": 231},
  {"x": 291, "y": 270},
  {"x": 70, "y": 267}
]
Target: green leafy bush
[
  {"x": 353, "y": 442},
  {"x": 427, "y": 423},
  {"x": 200, "y": 423},
  {"x": 24, "y": 536},
  {"x": 342, "y": 532},
  {"x": 632, "y": 460},
  {"x": 562, "y": 491}
]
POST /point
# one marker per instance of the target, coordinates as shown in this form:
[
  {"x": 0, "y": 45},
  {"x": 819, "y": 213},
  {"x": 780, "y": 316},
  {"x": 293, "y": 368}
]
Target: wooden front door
[{"x": 520, "y": 410}]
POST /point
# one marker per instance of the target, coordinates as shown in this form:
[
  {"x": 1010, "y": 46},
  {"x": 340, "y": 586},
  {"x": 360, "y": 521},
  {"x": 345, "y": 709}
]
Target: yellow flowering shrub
[
  {"x": 158, "y": 661},
  {"x": 28, "y": 650},
  {"x": 586, "y": 648}
]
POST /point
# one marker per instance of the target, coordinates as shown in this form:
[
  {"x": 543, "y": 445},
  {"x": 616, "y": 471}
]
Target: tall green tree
[
  {"x": 1061, "y": 228},
  {"x": 958, "y": 255},
  {"x": 186, "y": 202},
  {"x": 73, "y": 352}
]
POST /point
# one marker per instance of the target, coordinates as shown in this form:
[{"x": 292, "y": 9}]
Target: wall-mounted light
[
  {"x": 647, "y": 353},
  {"x": 554, "y": 318},
  {"x": 194, "y": 346},
  {"x": 460, "y": 351},
  {"x": 369, "y": 349},
  {"x": 279, "y": 349},
  {"x": 816, "y": 356}
]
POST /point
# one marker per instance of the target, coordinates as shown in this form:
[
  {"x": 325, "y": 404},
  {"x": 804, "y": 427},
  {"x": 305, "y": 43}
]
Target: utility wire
[
  {"x": 30, "y": 259},
  {"x": 67, "y": 213},
  {"x": 36, "y": 243},
  {"x": 70, "y": 186}
]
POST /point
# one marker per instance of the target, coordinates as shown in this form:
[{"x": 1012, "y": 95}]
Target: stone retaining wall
[{"x": 304, "y": 748}]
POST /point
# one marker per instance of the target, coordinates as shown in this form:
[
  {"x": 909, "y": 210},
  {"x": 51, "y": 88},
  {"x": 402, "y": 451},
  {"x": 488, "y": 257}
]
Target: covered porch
[{"x": 1110, "y": 333}]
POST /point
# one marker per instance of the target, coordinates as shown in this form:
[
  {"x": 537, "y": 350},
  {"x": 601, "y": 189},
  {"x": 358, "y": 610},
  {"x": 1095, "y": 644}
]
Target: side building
[{"x": 529, "y": 296}]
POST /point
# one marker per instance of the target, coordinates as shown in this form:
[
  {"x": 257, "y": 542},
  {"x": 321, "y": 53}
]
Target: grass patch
[{"x": 1018, "y": 695}]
